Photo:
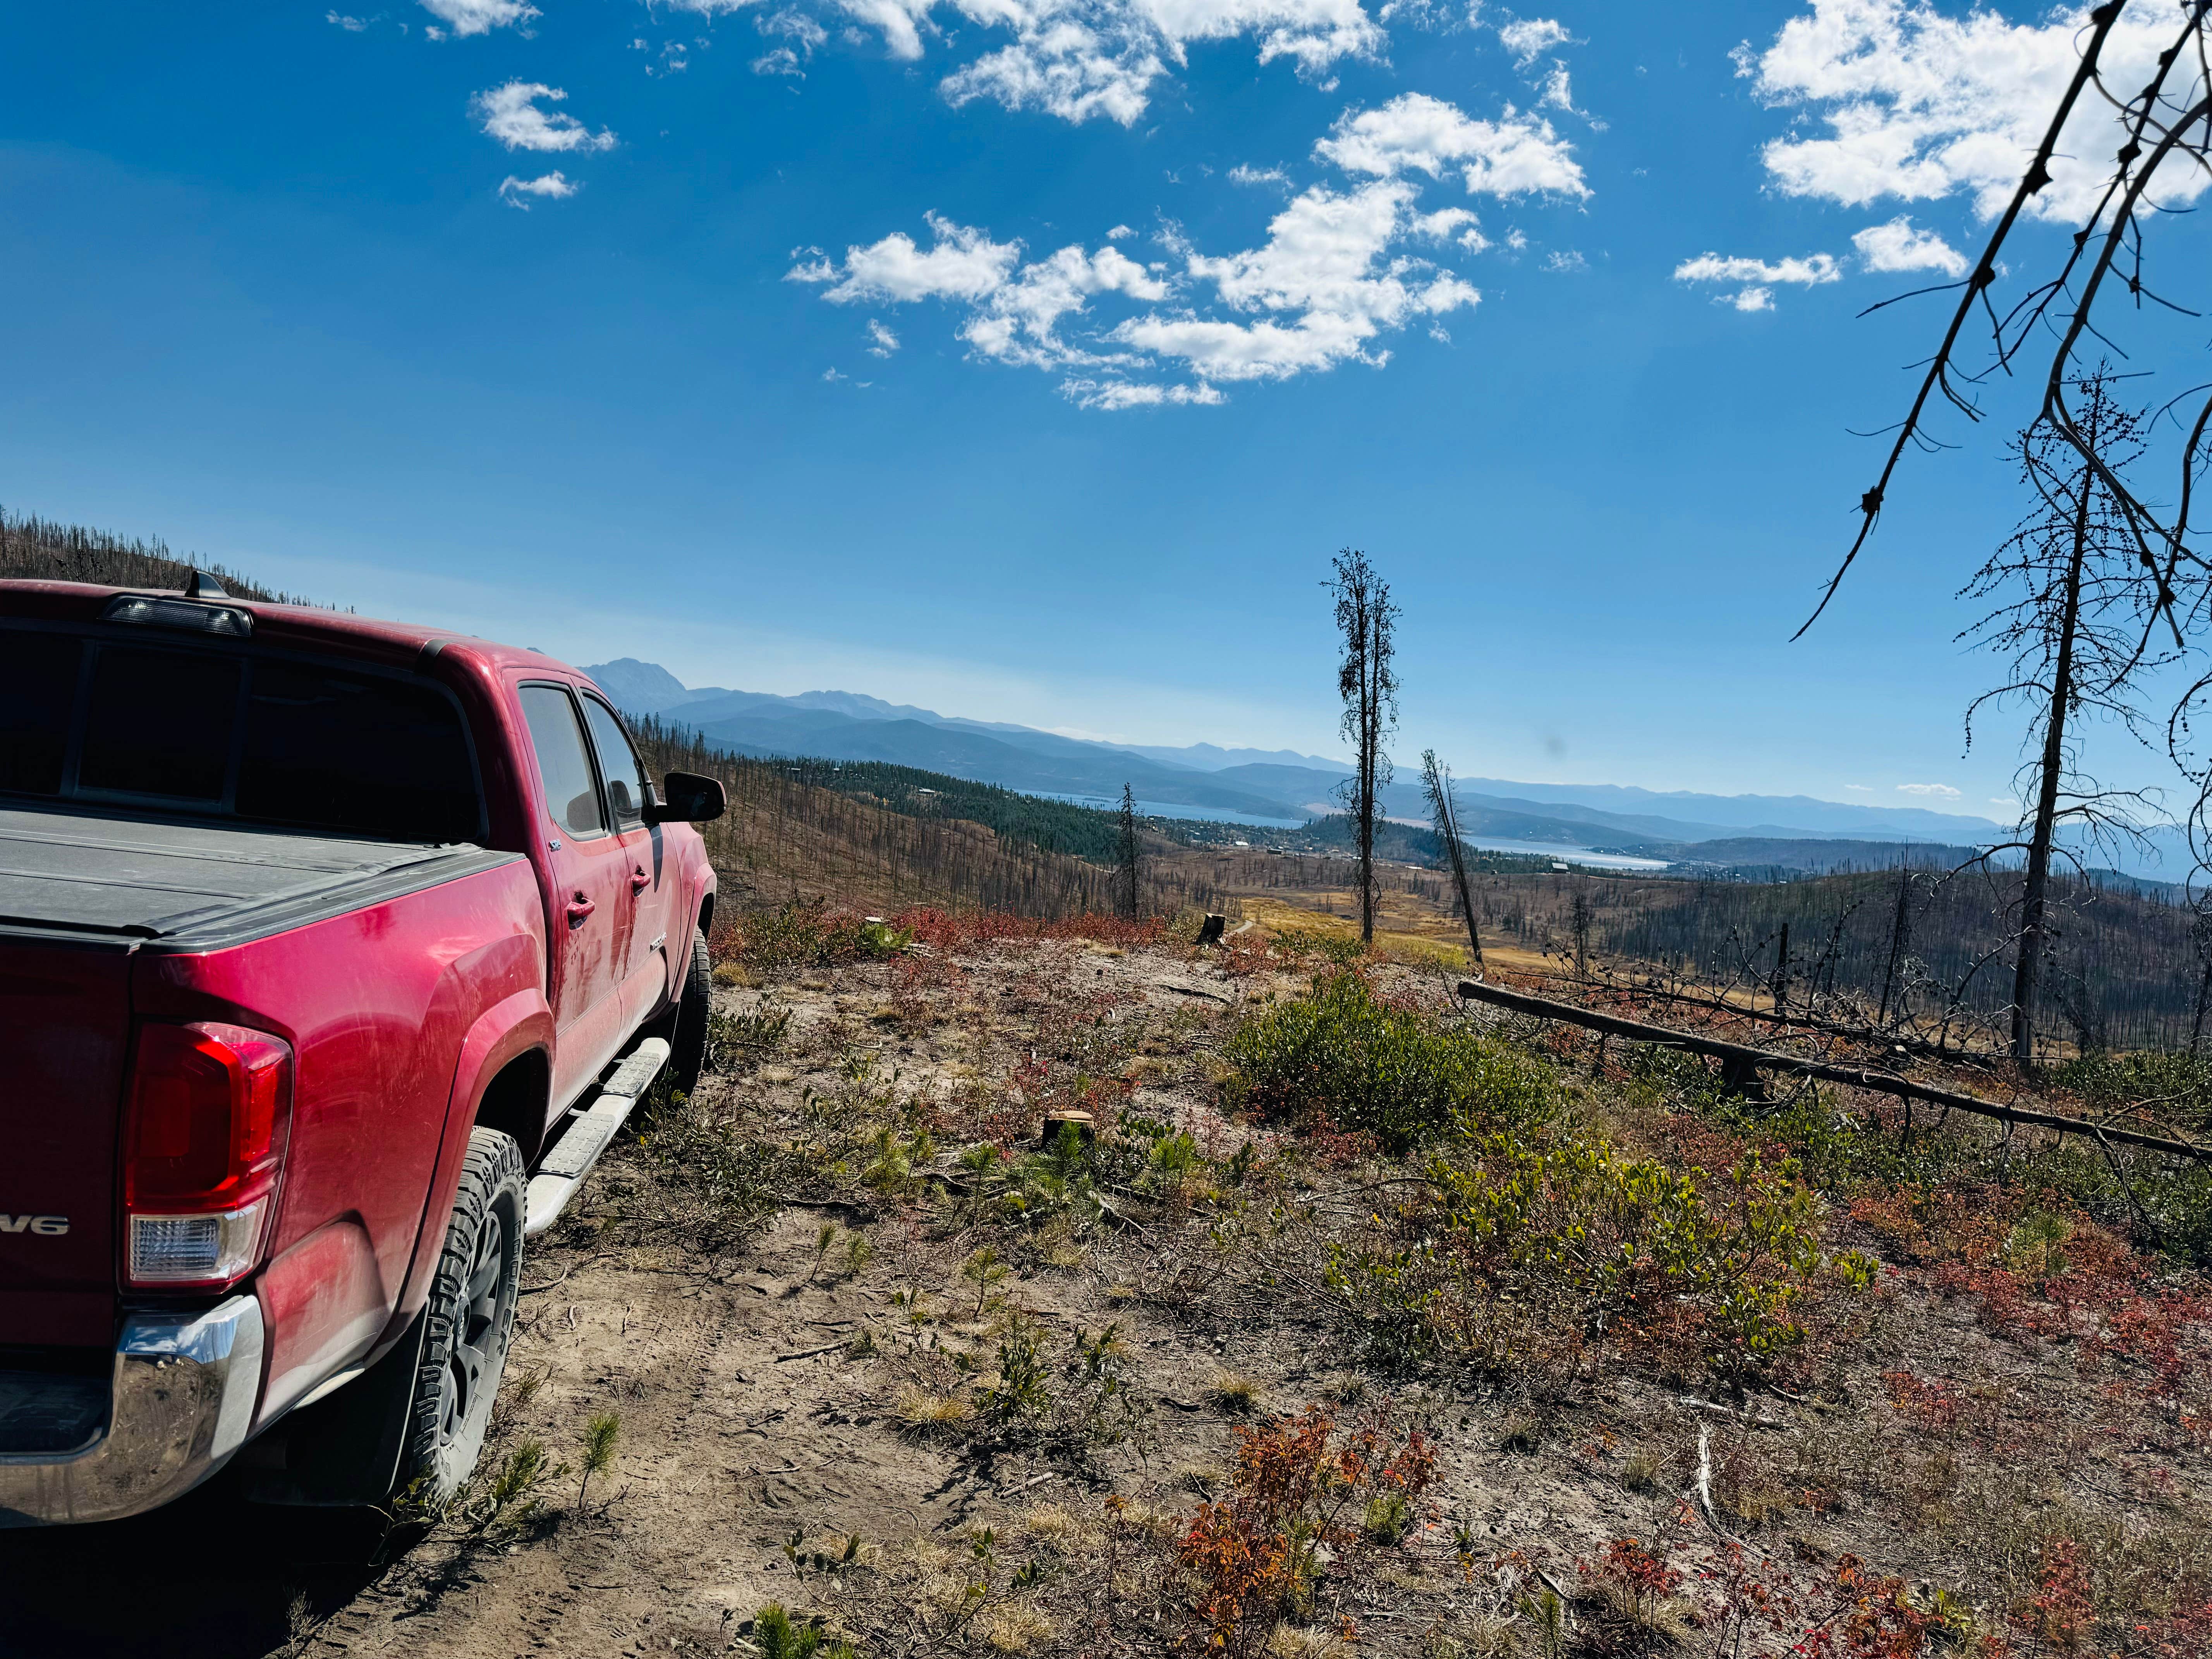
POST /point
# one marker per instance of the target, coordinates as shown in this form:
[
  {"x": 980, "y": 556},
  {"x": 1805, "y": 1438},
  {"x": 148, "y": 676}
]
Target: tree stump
[
  {"x": 1209, "y": 932},
  {"x": 1086, "y": 1128}
]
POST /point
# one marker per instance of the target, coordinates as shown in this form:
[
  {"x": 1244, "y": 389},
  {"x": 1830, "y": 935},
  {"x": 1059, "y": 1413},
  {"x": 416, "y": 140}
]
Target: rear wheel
[
  {"x": 468, "y": 1322},
  {"x": 687, "y": 1033}
]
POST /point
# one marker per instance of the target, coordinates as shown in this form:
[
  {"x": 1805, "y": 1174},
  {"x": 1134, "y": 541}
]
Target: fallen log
[{"x": 1887, "y": 1082}]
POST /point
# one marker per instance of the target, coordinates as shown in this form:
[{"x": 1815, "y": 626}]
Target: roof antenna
[{"x": 201, "y": 584}]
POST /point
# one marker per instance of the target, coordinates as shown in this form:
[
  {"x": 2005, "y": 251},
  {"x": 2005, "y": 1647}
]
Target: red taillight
[{"x": 210, "y": 1114}]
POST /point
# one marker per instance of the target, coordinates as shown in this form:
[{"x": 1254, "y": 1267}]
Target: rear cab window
[{"x": 268, "y": 738}]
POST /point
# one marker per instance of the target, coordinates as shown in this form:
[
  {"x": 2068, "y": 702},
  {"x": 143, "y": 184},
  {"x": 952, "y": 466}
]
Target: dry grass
[
  {"x": 1290, "y": 1641},
  {"x": 1235, "y": 1394},
  {"x": 1019, "y": 1628},
  {"x": 933, "y": 1416}
]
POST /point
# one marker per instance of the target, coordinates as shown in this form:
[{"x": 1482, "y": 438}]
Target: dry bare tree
[
  {"x": 1126, "y": 880},
  {"x": 1365, "y": 679},
  {"x": 1436, "y": 778},
  {"x": 2160, "y": 131},
  {"x": 2075, "y": 606},
  {"x": 2165, "y": 129},
  {"x": 2200, "y": 935}
]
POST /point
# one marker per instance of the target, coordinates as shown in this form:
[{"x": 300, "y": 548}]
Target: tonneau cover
[{"x": 153, "y": 881}]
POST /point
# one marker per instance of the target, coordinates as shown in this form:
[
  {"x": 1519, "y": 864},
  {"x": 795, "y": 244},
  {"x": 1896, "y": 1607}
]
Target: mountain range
[{"x": 1209, "y": 780}]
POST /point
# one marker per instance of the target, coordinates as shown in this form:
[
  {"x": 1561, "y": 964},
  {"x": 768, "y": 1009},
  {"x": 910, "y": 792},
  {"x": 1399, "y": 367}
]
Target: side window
[
  {"x": 617, "y": 764},
  {"x": 571, "y": 793}
]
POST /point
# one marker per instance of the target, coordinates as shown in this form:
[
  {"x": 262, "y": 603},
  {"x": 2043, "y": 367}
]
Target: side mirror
[{"x": 691, "y": 798}]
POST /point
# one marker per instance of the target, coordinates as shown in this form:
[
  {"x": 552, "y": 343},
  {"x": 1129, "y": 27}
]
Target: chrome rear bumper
[{"x": 183, "y": 1397}]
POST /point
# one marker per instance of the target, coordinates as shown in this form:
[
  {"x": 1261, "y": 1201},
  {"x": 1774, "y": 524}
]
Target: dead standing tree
[
  {"x": 2156, "y": 124},
  {"x": 1436, "y": 780},
  {"x": 1368, "y": 621},
  {"x": 2073, "y": 613},
  {"x": 2200, "y": 935},
  {"x": 1126, "y": 874}
]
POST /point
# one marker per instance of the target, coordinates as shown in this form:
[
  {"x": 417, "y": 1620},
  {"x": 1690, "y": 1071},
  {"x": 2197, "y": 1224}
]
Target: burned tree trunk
[
  {"x": 2035, "y": 892},
  {"x": 1438, "y": 781},
  {"x": 1367, "y": 620}
]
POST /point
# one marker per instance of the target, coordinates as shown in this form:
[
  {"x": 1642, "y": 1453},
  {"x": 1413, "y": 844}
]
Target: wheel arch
[{"x": 515, "y": 1100}]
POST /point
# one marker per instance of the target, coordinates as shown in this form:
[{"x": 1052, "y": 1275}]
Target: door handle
[
  {"x": 639, "y": 881},
  {"x": 578, "y": 907}
]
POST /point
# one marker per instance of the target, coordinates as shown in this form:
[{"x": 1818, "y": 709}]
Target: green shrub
[
  {"x": 2180, "y": 1083},
  {"x": 1844, "y": 1155},
  {"x": 777, "y": 1635},
  {"x": 734, "y": 1039},
  {"x": 1340, "y": 1055},
  {"x": 809, "y": 934},
  {"x": 1023, "y": 1394},
  {"x": 1619, "y": 1242},
  {"x": 1345, "y": 949}
]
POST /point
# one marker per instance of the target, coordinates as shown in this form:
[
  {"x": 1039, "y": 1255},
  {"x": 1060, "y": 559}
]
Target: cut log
[{"x": 1885, "y": 1083}]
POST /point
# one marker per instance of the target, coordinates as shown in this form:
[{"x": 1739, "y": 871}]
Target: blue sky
[{"x": 1029, "y": 360}]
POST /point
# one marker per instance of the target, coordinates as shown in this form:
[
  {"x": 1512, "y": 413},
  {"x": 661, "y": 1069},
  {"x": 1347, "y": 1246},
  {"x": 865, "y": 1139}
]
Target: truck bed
[{"x": 145, "y": 881}]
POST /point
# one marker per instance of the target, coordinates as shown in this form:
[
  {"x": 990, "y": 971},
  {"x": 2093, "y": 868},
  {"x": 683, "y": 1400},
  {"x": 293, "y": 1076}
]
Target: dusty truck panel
[
  {"x": 297, "y": 955},
  {"x": 375, "y": 1003}
]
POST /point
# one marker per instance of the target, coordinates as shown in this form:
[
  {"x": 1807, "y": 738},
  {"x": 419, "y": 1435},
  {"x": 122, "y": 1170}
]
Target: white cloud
[
  {"x": 1516, "y": 155},
  {"x": 1118, "y": 233},
  {"x": 1564, "y": 260},
  {"x": 1326, "y": 286},
  {"x": 1756, "y": 275},
  {"x": 1858, "y": 789},
  {"x": 466, "y": 17},
  {"x": 1081, "y": 58},
  {"x": 801, "y": 35},
  {"x": 1136, "y": 394},
  {"x": 883, "y": 341},
  {"x": 1920, "y": 104},
  {"x": 1897, "y": 246},
  {"x": 350, "y": 25},
  {"x": 555, "y": 187},
  {"x": 1065, "y": 68},
  {"x": 1714, "y": 268},
  {"x": 1020, "y": 323},
  {"x": 1936, "y": 791},
  {"x": 1456, "y": 222},
  {"x": 510, "y": 114},
  {"x": 965, "y": 265},
  {"x": 832, "y": 376},
  {"x": 1557, "y": 94},
  {"x": 1323, "y": 272},
  {"x": 1241, "y": 174},
  {"x": 1530, "y": 37}
]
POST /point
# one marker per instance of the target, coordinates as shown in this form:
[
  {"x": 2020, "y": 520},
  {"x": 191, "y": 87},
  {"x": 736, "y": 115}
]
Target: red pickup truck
[{"x": 332, "y": 954}]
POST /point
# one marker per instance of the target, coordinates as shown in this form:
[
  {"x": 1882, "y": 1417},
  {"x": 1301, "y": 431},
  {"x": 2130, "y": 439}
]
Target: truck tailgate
[{"x": 65, "y": 1017}]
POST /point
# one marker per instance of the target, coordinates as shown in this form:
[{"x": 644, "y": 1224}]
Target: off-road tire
[
  {"x": 687, "y": 1032},
  {"x": 468, "y": 1320}
]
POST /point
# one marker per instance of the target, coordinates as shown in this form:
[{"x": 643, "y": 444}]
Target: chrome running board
[{"x": 589, "y": 1133}]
